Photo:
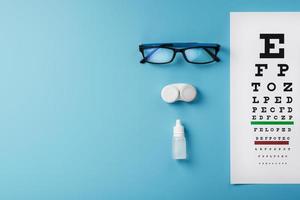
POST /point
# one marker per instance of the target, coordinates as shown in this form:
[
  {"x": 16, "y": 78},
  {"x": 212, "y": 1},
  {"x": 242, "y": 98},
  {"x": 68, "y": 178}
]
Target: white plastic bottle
[{"x": 179, "y": 142}]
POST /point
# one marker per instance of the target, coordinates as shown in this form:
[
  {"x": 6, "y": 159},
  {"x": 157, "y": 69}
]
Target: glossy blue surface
[{"x": 82, "y": 119}]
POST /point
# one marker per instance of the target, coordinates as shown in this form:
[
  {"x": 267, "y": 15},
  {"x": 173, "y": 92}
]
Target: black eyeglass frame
[{"x": 182, "y": 47}]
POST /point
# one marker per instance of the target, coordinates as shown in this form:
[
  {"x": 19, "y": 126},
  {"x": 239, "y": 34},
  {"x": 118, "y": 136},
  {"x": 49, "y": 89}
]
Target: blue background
[{"x": 82, "y": 119}]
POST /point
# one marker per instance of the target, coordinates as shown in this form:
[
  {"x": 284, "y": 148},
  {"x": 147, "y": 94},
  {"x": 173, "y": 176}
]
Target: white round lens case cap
[
  {"x": 188, "y": 93},
  {"x": 170, "y": 94},
  {"x": 178, "y": 92}
]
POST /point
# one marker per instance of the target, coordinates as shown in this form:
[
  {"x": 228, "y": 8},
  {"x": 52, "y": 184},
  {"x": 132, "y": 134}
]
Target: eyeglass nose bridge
[
  {"x": 179, "y": 50},
  {"x": 182, "y": 51}
]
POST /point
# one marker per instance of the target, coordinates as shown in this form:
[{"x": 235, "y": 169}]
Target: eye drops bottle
[{"x": 179, "y": 142}]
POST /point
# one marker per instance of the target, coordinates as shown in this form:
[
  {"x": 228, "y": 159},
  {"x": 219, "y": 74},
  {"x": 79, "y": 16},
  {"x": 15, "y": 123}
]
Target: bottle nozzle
[{"x": 178, "y": 128}]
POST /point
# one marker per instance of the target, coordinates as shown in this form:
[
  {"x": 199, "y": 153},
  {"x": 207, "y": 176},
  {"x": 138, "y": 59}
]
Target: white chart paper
[{"x": 264, "y": 97}]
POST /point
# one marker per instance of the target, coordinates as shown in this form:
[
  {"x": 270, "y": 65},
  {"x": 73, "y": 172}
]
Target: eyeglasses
[{"x": 163, "y": 53}]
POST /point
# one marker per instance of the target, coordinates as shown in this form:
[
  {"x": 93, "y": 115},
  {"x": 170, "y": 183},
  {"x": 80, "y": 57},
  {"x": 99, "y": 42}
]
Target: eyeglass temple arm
[{"x": 216, "y": 58}]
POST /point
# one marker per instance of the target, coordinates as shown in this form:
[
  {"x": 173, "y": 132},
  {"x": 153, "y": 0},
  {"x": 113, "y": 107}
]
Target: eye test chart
[{"x": 264, "y": 97}]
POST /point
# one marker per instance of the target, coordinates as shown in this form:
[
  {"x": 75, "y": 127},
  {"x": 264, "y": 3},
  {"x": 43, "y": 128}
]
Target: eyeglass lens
[{"x": 158, "y": 55}]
